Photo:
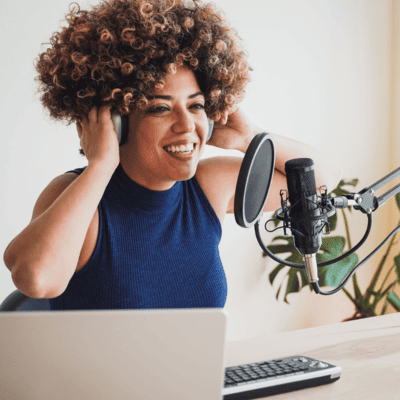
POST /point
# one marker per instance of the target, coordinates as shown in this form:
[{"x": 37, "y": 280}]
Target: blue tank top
[{"x": 155, "y": 249}]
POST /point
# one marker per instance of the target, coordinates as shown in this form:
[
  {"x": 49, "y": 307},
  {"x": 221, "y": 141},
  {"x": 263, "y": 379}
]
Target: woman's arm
[
  {"x": 327, "y": 172},
  {"x": 45, "y": 255},
  {"x": 235, "y": 131}
]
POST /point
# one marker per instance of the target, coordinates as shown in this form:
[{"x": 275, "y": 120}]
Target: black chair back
[{"x": 18, "y": 301}]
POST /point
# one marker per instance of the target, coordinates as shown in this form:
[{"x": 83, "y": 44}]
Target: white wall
[
  {"x": 322, "y": 71},
  {"x": 395, "y": 86},
  {"x": 395, "y": 94}
]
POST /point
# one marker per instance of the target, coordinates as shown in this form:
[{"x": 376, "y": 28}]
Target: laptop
[{"x": 121, "y": 354}]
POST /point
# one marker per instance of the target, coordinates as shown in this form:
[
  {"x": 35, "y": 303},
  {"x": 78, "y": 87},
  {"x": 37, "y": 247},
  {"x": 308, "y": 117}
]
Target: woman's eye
[
  {"x": 159, "y": 109},
  {"x": 198, "y": 106}
]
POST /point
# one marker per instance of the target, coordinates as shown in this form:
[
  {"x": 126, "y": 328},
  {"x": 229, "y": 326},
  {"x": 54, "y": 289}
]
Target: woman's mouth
[{"x": 181, "y": 149}]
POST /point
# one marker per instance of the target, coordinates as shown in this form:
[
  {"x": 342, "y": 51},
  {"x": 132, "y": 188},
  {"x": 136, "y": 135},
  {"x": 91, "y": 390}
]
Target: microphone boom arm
[{"x": 367, "y": 201}]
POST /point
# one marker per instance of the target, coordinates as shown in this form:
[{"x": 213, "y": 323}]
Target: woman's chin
[{"x": 185, "y": 174}]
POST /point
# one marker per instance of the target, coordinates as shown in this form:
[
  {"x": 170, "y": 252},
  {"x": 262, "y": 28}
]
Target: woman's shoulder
[
  {"x": 76, "y": 171},
  {"x": 54, "y": 189},
  {"x": 217, "y": 177}
]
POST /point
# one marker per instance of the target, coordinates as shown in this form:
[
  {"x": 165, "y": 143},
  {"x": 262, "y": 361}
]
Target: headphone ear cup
[
  {"x": 124, "y": 129},
  {"x": 118, "y": 125},
  {"x": 210, "y": 128}
]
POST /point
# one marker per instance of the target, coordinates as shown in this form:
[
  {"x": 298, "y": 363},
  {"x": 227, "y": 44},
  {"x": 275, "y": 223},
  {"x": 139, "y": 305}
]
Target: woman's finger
[
  {"x": 233, "y": 109},
  {"x": 92, "y": 116},
  {"x": 84, "y": 121},
  {"x": 104, "y": 113},
  {"x": 224, "y": 118},
  {"x": 79, "y": 129}
]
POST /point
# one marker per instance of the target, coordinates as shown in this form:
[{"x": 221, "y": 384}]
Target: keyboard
[{"x": 267, "y": 378}]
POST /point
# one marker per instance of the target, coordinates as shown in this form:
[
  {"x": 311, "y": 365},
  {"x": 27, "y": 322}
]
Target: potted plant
[{"x": 365, "y": 303}]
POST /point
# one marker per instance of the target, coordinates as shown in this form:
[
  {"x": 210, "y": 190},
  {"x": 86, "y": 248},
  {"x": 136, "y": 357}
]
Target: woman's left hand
[{"x": 233, "y": 131}]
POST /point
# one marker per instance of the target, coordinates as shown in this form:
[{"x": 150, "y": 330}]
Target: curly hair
[{"x": 120, "y": 51}]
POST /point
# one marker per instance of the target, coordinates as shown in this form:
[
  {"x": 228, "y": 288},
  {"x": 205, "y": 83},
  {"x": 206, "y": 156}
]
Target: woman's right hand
[{"x": 98, "y": 138}]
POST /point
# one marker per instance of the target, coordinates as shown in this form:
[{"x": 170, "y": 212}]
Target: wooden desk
[{"x": 368, "y": 351}]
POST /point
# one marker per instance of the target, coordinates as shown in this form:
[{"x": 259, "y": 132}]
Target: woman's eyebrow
[
  {"x": 192, "y": 96},
  {"x": 170, "y": 98}
]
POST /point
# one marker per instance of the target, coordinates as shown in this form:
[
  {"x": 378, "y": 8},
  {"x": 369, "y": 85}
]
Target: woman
[{"x": 139, "y": 227}]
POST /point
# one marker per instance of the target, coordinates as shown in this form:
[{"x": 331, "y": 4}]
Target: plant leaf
[
  {"x": 293, "y": 285},
  {"x": 394, "y": 301},
  {"x": 277, "y": 293},
  {"x": 353, "y": 183},
  {"x": 333, "y": 275},
  {"x": 289, "y": 239},
  {"x": 276, "y": 222},
  {"x": 398, "y": 200},
  {"x": 332, "y": 245},
  {"x": 275, "y": 272},
  {"x": 339, "y": 191},
  {"x": 280, "y": 248},
  {"x": 397, "y": 262}
]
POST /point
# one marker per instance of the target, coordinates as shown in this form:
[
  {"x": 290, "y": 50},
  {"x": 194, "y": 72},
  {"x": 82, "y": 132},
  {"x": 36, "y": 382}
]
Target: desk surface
[{"x": 368, "y": 351}]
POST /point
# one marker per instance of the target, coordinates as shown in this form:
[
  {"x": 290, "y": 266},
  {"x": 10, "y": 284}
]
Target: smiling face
[{"x": 167, "y": 138}]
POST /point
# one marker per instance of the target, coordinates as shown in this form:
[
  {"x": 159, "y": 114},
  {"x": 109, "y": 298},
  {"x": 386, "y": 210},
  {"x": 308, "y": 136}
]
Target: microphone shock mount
[{"x": 364, "y": 201}]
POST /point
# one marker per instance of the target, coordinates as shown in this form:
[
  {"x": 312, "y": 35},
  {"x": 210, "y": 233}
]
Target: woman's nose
[{"x": 184, "y": 123}]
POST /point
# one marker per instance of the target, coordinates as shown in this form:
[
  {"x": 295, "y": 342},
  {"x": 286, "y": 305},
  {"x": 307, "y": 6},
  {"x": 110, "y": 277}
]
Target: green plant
[{"x": 366, "y": 304}]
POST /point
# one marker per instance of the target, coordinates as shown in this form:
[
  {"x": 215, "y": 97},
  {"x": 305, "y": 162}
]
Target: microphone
[
  {"x": 306, "y": 217},
  {"x": 306, "y": 222}
]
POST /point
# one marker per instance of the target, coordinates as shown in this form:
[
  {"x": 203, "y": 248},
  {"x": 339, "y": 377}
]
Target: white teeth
[{"x": 181, "y": 149}]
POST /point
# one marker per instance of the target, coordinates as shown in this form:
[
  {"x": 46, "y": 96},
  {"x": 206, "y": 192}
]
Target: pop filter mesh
[
  {"x": 258, "y": 181},
  {"x": 254, "y": 180}
]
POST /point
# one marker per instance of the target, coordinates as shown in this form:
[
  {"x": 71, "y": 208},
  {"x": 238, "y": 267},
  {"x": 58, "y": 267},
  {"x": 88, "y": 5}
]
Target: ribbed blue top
[{"x": 155, "y": 249}]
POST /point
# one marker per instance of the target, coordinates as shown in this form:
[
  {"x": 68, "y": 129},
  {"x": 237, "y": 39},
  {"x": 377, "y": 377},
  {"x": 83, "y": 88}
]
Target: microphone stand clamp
[{"x": 366, "y": 200}]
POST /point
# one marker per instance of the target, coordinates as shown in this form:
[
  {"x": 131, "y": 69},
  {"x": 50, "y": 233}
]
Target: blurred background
[{"x": 326, "y": 72}]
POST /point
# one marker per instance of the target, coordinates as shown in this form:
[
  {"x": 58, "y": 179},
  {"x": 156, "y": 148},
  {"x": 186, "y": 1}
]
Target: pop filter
[{"x": 254, "y": 180}]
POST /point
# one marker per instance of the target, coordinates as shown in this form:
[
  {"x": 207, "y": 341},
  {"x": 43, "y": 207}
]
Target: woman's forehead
[{"x": 182, "y": 81}]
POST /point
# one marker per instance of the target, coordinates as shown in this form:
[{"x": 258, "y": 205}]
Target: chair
[{"x": 18, "y": 301}]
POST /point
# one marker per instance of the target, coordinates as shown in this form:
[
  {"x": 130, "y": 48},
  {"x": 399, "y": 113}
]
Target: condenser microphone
[
  {"x": 306, "y": 224},
  {"x": 307, "y": 215}
]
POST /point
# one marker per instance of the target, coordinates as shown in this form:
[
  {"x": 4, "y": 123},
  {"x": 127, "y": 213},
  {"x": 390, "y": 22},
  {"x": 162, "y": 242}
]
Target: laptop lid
[{"x": 122, "y": 354}]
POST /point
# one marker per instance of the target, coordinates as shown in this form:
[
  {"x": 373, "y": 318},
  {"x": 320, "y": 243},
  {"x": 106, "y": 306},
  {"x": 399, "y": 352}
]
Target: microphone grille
[
  {"x": 300, "y": 178},
  {"x": 298, "y": 163}
]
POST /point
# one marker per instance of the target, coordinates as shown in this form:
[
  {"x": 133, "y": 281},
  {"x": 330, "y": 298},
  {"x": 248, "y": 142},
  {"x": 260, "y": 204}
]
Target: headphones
[{"x": 121, "y": 127}]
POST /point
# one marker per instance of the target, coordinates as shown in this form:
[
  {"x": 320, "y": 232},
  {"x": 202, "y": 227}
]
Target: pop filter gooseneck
[{"x": 254, "y": 180}]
